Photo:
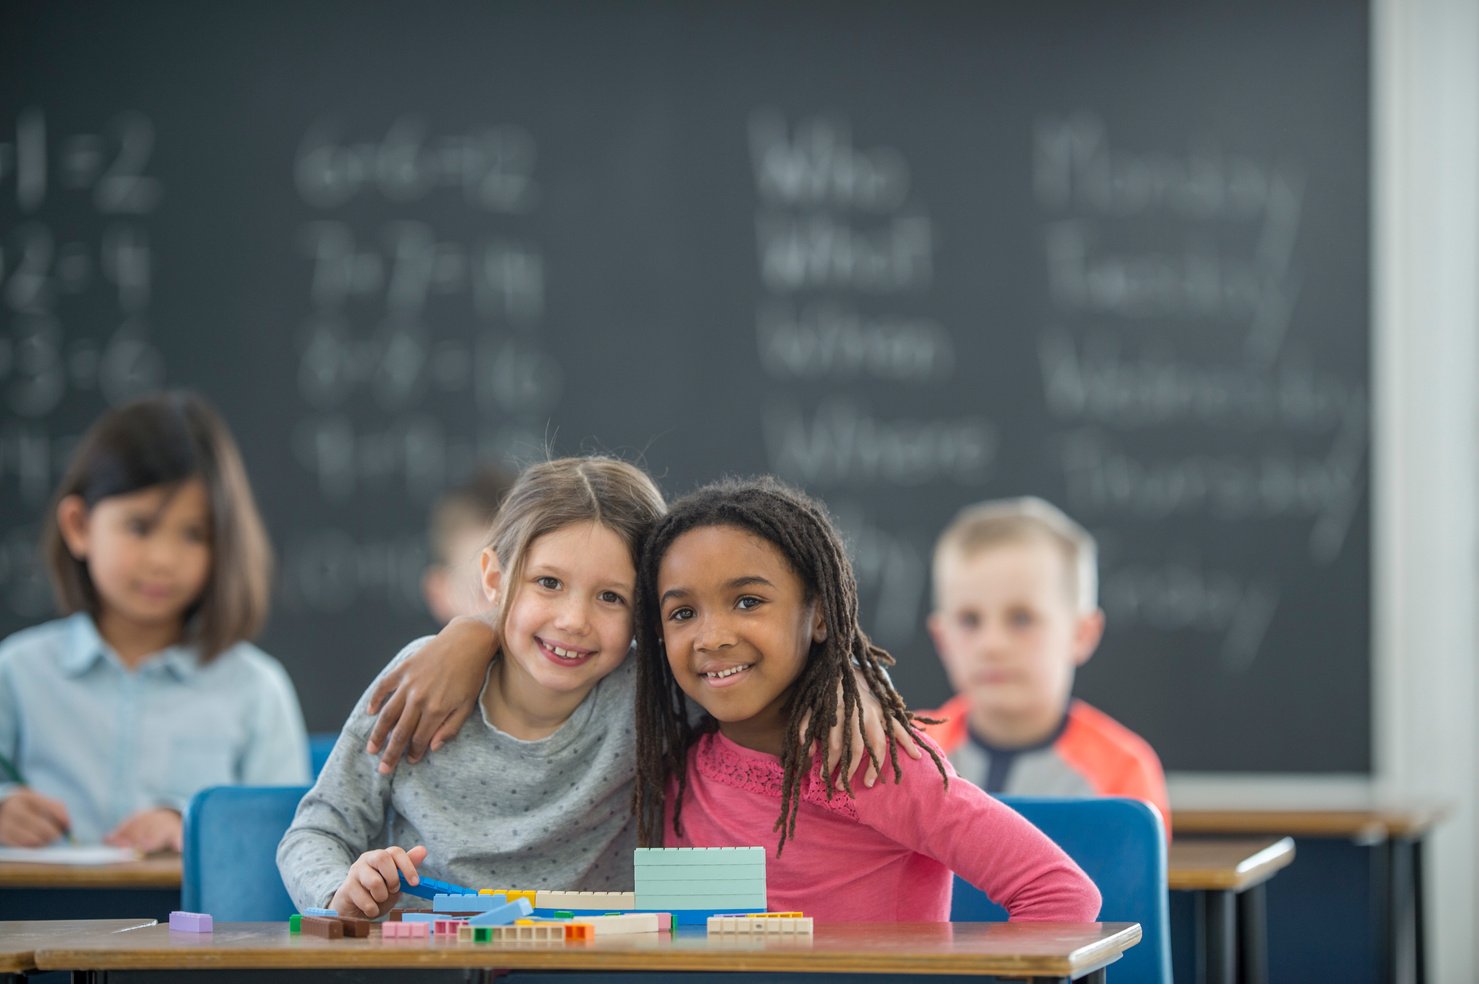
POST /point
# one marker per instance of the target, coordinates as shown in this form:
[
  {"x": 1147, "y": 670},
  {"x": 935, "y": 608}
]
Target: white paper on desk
[{"x": 79, "y": 854}]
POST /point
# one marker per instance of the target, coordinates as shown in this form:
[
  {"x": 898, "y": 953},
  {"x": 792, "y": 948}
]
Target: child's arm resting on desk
[
  {"x": 338, "y": 820},
  {"x": 984, "y": 841},
  {"x": 147, "y": 831},
  {"x": 28, "y": 819}
]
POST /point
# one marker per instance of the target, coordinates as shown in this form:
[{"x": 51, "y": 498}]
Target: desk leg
[
  {"x": 1403, "y": 943},
  {"x": 1419, "y": 931},
  {"x": 1219, "y": 934},
  {"x": 1253, "y": 936}
]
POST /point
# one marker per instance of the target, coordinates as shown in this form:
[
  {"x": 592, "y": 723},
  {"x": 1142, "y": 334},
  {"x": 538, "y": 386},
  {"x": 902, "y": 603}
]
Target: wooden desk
[
  {"x": 19, "y": 940},
  {"x": 105, "y": 891},
  {"x": 1227, "y": 877},
  {"x": 1043, "y": 951},
  {"x": 1395, "y": 833},
  {"x": 162, "y": 871}
]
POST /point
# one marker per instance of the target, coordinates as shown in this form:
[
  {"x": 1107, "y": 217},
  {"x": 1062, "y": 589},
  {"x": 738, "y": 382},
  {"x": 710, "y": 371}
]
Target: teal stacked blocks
[{"x": 714, "y": 878}]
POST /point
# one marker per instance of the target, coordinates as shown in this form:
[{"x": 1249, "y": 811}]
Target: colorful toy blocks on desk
[
  {"x": 644, "y": 857},
  {"x": 757, "y": 925},
  {"x": 718, "y": 878},
  {"x": 482, "y": 902},
  {"x": 623, "y": 923},
  {"x": 502, "y": 915},
  {"x": 404, "y": 930},
  {"x": 528, "y": 932},
  {"x": 396, "y": 915},
  {"x": 604, "y": 901},
  {"x": 430, "y": 888},
  {"x": 329, "y": 929},
  {"x": 190, "y": 922}
]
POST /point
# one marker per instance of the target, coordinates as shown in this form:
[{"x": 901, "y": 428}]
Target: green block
[
  {"x": 482, "y": 934},
  {"x": 295, "y": 923},
  {"x": 564, "y": 914}
]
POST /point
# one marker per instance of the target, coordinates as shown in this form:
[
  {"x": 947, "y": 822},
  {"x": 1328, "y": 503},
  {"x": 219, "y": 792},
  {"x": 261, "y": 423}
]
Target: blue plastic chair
[
  {"x": 230, "y": 859},
  {"x": 320, "y": 744},
  {"x": 1121, "y": 845}
]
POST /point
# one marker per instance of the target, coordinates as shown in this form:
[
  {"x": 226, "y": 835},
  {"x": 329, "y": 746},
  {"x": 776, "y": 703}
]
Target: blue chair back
[
  {"x": 320, "y": 744},
  {"x": 230, "y": 860},
  {"x": 1121, "y": 845}
]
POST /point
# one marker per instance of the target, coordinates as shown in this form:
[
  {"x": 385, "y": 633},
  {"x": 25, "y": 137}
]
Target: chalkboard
[{"x": 907, "y": 255}]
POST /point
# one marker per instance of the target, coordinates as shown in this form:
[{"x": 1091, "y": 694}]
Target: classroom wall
[
  {"x": 1426, "y": 483},
  {"x": 1425, "y": 461}
]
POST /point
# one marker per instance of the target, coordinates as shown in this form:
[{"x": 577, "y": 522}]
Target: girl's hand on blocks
[
  {"x": 423, "y": 702},
  {"x": 374, "y": 881},
  {"x": 873, "y": 735},
  {"x": 148, "y": 831},
  {"x": 28, "y": 819}
]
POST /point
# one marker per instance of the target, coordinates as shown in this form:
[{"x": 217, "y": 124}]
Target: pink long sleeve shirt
[{"x": 883, "y": 855}]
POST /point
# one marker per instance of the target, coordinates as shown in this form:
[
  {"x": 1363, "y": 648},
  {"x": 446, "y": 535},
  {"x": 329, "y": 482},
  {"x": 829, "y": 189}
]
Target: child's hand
[
  {"x": 873, "y": 735},
  {"x": 430, "y": 694},
  {"x": 28, "y": 819},
  {"x": 148, "y": 831},
  {"x": 374, "y": 881}
]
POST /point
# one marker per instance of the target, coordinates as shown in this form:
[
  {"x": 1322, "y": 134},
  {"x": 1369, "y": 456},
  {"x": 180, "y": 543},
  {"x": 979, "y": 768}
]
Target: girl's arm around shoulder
[
  {"x": 340, "y": 817},
  {"x": 981, "y": 839}
]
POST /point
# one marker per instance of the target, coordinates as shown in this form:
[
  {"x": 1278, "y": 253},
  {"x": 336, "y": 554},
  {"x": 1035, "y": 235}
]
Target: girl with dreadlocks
[{"x": 747, "y": 606}]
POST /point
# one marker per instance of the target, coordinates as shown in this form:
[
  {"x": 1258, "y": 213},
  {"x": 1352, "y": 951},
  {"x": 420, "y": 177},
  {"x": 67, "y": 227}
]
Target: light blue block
[
  {"x": 468, "y": 903},
  {"x": 697, "y": 900},
  {"x": 325, "y": 913},
  {"x": 503, "y": 915},
  {"x": 426, "y": 917},
  {"x": 647, "y": 856},
  {"x": 713, "y": 875}
]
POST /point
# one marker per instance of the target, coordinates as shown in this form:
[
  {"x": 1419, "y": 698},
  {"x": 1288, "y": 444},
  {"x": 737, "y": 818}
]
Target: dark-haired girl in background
[{"x": 113, "y": 717}]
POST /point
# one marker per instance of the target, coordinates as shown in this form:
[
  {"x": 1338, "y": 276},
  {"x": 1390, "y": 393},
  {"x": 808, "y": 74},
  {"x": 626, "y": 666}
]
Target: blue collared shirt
[{"x": 108, "y": 741}]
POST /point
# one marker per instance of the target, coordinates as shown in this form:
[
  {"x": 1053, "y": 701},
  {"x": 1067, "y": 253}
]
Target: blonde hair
[
  {"x": 990, "y": 524},
  {"x": 553, "y": 494},
  {"x": 167, "y": 439}
]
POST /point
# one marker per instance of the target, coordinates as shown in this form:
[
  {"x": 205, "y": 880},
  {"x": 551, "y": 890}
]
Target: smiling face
[
  {"x": 569, "y": 621},
  {"x": 1006, "y": 628},
  {"x": 148, "y": 553},
  {"x": 737, "y": 627}
]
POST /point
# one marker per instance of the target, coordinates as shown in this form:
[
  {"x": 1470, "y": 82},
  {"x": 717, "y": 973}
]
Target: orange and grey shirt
[{"x": 1090, "y": 754}]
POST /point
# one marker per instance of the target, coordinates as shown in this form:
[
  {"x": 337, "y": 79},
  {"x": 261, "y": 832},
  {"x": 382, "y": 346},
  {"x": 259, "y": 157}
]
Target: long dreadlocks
[{"x": 798, "y": 526}]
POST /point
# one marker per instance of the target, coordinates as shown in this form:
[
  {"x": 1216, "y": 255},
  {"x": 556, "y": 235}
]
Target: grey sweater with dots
[{"x": 492, "y": 810}]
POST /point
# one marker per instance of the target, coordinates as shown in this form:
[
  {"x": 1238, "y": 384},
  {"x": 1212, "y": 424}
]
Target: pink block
[{"x": 664, "y": 922}]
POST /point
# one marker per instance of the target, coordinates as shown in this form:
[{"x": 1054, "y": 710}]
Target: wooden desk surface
[
  {"x": 162, "y": 871},
  {"x": 1024, "y": 949},
  {"x": 1371, "y": 823},
  {"x": 20, "y": 940},
  {"x": 1207, "y": 864}
]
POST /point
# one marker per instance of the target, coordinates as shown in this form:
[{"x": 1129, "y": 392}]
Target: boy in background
[
  {"x": 452, "y": 583},
  {"x": 1016, "y": 613}
]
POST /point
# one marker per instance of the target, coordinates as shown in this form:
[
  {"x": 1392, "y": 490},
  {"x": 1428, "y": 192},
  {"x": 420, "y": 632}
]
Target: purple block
[{"x": 190, "y": 922}]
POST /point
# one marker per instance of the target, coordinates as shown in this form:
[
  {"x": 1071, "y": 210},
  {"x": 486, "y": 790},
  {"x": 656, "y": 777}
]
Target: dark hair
[
  {"x": 554, "y": 494},
  {"x": 167, "y": 439},
  {"x": 798, "y": 526}
]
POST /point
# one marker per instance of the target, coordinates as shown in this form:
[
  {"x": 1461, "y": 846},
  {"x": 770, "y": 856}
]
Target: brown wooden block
[
  {"x": 329, "y": 929},
  {"x": 355, "y": 927}
]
